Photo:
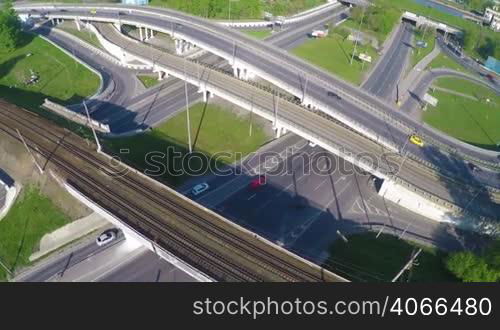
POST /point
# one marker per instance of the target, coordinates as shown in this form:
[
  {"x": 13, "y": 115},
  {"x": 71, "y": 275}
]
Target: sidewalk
[{"x": 449, "y": 91}]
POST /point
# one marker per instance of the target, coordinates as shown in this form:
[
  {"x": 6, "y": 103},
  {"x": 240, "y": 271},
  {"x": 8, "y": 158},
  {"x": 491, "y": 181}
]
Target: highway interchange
[{"x": 332, "y": 203}]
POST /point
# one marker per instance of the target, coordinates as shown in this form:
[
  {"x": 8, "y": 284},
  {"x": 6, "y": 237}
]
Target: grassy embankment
[{"x": 32, "y": 216}]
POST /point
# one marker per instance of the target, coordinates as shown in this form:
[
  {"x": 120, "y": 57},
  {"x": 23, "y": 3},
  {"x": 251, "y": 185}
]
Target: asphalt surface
[
  {"x": 305, "y": 201},
  {"x": 56, "y": 265},
  {"x": 383, "y": 80},
  {"x": 145, "y": 267}
]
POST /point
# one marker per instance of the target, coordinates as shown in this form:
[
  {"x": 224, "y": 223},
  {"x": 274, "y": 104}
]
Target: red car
[{"x": 258, "y": 182}]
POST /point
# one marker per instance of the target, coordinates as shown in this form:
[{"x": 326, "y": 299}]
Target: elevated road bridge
[{"x": 312, "y": 86}]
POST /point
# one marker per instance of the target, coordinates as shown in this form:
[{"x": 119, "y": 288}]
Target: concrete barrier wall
[{"x": 132, "y": 234}]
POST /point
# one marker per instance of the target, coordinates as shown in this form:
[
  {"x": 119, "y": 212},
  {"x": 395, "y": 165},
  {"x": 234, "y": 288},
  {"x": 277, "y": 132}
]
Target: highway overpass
[
  {"x": 250, "y": 57},
  {"x": 292, "y": 117}
]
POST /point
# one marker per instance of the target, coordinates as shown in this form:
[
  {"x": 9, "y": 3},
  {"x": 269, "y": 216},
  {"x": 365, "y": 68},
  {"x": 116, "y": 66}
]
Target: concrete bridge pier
[
  {"x": 77, "y": 22},
  {"x": 141, "y": 37}
]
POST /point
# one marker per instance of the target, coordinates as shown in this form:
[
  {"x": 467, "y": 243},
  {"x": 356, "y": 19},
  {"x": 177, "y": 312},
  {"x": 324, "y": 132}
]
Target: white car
[
  {"x": 312, "y": 144},
  {"x": 199, "y": 188},
  {"x": 106, "y": 237}
]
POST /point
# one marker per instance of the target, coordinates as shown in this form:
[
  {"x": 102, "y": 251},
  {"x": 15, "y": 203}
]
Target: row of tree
[
  {"x": 483, "y": 40},
  {"x": 10, "y": 27}
]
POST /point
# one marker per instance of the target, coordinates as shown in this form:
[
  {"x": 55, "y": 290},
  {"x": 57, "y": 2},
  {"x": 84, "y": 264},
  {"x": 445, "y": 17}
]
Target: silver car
[{"x": 106, "y": 237}]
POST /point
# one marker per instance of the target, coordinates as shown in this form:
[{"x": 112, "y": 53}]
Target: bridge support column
[
  {"x": 78, "y": 27},
  {"x": 140, "y": 34}
]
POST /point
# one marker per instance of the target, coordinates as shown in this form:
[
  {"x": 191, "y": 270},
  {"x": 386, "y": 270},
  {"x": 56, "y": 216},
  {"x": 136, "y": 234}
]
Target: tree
[{"x": 10, "y": 27}]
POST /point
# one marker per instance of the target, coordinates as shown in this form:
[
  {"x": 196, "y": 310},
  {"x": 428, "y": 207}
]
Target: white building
[{"x": 492, "y": 16}]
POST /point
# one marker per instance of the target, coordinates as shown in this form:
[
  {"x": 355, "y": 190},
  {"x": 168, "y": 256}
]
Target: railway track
[{"x": 162, "y": 232}]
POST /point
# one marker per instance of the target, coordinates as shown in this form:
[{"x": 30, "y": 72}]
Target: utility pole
[
  {"x": 359, "y": 31},
  {"x": 29, "y": 151},
  {"x": 92, "y": 127},
  {"x": 187, "y": 107},
  {"x": 276, "y": 104},
  {"x": 408, "y": 265}
]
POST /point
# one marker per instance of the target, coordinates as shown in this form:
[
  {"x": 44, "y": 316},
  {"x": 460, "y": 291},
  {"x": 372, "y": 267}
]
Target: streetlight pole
[
  {"x": 92, "y": 127},
  {"x": 234, "y": 52},
  {"x": 359, "y": 31}
]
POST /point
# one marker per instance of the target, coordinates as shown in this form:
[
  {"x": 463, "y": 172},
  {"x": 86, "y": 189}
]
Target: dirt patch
[{"x": 17, "y": 162}]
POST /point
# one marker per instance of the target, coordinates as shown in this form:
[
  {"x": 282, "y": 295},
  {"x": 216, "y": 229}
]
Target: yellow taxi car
[
  {"x": 93, "y": 11},
  {"x": 415, "y": 139}
]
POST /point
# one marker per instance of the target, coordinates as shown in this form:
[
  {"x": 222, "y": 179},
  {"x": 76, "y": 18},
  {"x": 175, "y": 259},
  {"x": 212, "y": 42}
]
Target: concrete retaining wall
[{"x": 75, "y": 116}]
